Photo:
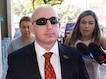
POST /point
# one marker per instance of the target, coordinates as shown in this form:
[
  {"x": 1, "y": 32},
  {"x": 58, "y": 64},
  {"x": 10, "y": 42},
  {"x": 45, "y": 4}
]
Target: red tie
[{"x": 48, "y": 68}]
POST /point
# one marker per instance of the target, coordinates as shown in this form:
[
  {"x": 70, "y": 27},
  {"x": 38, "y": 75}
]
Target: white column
[
  {"x": 0, "y": 51},
  {"x": 9, "y": 17}
]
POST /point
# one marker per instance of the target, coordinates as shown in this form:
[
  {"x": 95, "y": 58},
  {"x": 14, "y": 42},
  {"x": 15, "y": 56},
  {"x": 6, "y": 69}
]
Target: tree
[
  {"x": 65, "y": 10},
  {"x": 22, "y": 8},
  {"x": 68, "y": 11},
  {"x": 26, "y": 7},
  {"x": 51, "y": 2}
]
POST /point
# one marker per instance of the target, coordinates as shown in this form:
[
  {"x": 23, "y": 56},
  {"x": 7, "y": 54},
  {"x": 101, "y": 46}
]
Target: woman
[{"x": 86, "y": 31}]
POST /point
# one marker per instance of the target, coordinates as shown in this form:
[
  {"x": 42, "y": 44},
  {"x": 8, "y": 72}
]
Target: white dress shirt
[{"x": 55, "y": 59}]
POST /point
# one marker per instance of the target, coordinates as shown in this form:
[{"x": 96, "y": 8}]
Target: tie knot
[{"x": 47, "y": 55}]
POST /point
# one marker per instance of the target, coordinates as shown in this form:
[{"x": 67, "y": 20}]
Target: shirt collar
[{"x": 41, "y": 51}]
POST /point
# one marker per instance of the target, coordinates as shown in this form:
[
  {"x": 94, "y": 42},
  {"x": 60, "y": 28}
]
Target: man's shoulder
[
  {"x": 23, "y": 50},
  {"x": 15, "y": 40},
  {"x": 70, "y": 49}
]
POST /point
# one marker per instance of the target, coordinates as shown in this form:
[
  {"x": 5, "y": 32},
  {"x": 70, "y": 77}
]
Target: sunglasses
[{"x": 43, "y": 21}]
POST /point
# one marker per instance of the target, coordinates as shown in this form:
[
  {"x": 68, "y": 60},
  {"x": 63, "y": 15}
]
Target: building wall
[
  {"x": 3, "y": 14},
  {"x": 3, "y": 30}
]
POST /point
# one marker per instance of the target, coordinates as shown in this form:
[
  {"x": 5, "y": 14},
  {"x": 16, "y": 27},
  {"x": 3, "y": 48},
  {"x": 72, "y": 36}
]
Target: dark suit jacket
[{"x": 23, "y": 64}]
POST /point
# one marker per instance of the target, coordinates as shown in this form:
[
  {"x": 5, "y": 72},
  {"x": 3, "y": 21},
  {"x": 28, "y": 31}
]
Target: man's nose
[{"x": 49, "y": 25}]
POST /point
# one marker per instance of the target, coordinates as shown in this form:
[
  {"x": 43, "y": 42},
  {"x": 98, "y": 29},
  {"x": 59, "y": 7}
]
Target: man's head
[
  {"x": 45, "y": 25},
  {"x": 25, "y": 26}
]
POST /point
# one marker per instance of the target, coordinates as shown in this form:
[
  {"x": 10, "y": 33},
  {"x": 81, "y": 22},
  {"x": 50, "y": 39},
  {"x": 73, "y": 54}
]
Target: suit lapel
[
  {"x": 33, "y": 68},
  {"x": 32, "y": 65},
  {"x": 63, "y": 61}
]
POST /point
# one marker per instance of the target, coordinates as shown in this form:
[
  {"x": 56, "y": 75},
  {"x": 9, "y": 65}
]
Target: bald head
[
  {"x": 45, "y": 26},
  {"x": 44, "y": 11}
]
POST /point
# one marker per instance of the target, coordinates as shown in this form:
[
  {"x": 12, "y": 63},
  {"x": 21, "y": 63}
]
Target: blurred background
[{"x": 12, "y": 10}]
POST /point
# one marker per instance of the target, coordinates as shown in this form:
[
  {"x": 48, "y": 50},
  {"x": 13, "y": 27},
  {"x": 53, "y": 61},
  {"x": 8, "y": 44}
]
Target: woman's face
[{"x": 87, "y": 25}]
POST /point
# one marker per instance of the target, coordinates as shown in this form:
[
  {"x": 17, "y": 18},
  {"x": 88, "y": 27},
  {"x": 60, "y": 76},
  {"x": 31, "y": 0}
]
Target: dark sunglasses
[{"x": 43, "y": 21}]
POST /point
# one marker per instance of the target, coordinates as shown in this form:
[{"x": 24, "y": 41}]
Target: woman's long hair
[{"x": 76, "y": 34}]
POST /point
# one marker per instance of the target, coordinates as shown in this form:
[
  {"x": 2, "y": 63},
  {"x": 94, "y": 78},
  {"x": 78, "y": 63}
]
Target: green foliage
[
  {"x": 36, "y": 3},
  {"x": 22, "y": 8},
  {"x": 68, "y": 11},
  {"x": 65, "y": 10},
  {"x": 26, "y": 7},
  {"x": 51, "y": 2},
  {"x": 54, "y": 2}
]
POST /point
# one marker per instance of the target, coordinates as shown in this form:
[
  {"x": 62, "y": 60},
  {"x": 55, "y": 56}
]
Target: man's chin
[{"x": 51, "y": 40}]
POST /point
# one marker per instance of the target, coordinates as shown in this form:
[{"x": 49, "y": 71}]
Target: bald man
[{"x": 29, "y": 62}]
